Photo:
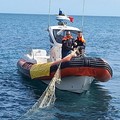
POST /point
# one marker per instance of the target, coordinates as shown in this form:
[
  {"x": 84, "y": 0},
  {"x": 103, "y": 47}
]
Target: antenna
[
  {"x": 83, "y": 14},
  {"x": 49, "y": 13}
]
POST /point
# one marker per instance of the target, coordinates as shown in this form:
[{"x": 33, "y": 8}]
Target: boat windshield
[{"x": 59, "y": 34}]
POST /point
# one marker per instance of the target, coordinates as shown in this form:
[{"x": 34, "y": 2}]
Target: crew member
[
  {"x": 80, "y": 43},
  {"x": 67, "y": 44}
]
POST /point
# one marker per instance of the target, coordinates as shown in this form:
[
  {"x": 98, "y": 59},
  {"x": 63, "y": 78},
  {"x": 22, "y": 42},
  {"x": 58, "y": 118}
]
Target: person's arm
[
  {"x": 75, "y": 43},
  {"x": 83, "y": 40}
]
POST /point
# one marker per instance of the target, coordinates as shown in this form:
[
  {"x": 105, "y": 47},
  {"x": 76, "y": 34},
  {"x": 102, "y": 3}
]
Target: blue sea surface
[{"x": 19, "y": 33}]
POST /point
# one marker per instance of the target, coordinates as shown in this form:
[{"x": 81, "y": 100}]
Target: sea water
[{"x": 19, "y": 33}]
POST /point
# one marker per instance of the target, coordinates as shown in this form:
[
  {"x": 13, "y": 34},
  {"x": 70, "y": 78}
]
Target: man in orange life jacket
[
  {"x": 67, "y": 44},
  {"x": 80, "y": 43}
]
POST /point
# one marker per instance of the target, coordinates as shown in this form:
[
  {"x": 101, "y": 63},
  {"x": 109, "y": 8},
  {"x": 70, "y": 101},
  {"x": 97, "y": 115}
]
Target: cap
[{"x": 68, "y": 32}]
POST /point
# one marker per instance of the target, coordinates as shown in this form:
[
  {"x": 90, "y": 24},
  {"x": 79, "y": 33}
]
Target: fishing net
[{"x": 48, "y": 97}]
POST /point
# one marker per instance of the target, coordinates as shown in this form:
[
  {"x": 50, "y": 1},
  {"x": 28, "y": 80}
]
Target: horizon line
[{"x": 56, "y": 14}]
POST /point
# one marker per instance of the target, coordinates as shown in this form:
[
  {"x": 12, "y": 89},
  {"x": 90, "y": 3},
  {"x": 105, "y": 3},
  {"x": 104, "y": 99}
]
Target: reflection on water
[{"x": 93, "y": 104}]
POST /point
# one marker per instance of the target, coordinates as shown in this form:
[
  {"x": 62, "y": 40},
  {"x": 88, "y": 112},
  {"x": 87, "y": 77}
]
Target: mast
[
  {"x": 83, "y": 10},
  {"x": 49, "y": 13}
]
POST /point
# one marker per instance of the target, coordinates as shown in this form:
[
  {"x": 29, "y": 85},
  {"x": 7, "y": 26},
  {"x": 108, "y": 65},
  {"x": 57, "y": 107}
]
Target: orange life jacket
[
  {"x": 67, "y": 37},
  {"x": 81, "y": 39}
]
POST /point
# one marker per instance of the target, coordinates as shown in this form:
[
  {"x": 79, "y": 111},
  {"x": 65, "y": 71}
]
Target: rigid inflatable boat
[
  {"x": 77, "y": 72},
  {"x": 70, "y": 66}
]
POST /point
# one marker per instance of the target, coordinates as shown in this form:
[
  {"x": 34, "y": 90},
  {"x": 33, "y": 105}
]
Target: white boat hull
[{"x": 77, "y": 84}]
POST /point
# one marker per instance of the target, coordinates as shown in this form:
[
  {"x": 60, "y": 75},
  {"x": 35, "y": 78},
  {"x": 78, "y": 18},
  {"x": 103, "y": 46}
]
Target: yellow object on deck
[{"x": 40, "y": 70}]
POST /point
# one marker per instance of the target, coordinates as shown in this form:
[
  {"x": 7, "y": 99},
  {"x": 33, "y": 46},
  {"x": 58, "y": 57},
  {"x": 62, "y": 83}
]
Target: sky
[{"x": 70, "y": 7}]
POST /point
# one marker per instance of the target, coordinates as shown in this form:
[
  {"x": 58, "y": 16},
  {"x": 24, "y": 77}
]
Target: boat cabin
[{"x": 56, "y": 34}]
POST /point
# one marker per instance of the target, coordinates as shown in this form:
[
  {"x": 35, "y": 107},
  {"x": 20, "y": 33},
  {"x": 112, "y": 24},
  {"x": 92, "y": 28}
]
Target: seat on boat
[{"x": 37, "y": 56}]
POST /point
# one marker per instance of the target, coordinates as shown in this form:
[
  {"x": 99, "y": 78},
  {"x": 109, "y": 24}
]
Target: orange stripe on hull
[{"x": 98, "y": 73}]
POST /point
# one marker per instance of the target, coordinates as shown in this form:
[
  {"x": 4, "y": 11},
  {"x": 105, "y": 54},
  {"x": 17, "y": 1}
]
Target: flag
[
  {"x": 71, "y": 19},
  {"x": 60, "y": 12}
]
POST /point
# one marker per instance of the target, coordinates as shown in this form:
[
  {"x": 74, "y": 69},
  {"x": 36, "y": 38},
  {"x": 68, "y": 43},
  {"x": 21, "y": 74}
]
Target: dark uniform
[{"x": 67, "y": 45}]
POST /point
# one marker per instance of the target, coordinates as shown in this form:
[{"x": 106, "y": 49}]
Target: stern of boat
[{"x": 76, "y": 84}]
